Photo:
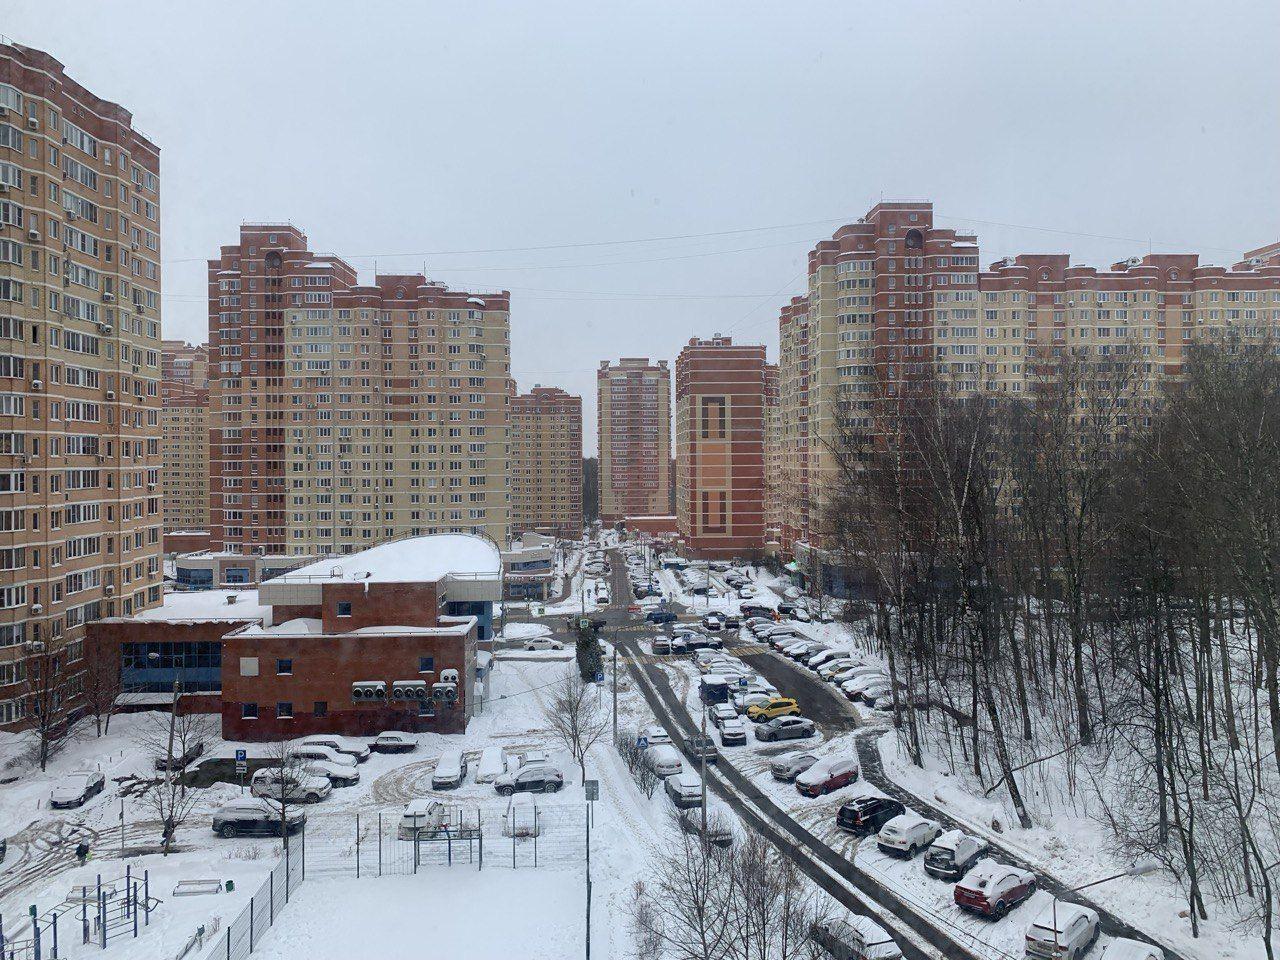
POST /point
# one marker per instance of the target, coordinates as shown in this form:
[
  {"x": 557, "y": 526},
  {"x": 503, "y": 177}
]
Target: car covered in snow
[
  {"x": 539, "y": 778},
  {"x": 1064, "y": 933},
  {"x": 684, "y": 789},
  {"x": 855, "y": 937},
  {"x": 663, "y": 760},
  {"x": 338, "y": 775},
  {"x": 450, "y": 770},
  {"x": 251, "y": 816},
  {"x": 721, "y": 712},
  {"x": 907, "y": 834},
  {"x": 953, "y": 854},
  {"x": 393, "y": 741},
  {"x": 993, "y": 889},
  {"x": 828, "y": 774},
  {"x": 289, "y": 784},
  {"x": 713, "y": 622},
  {"x": 653, "y": 734},
  {"x": 314, "y": 751},
  {"x": 790, "y": 765},
  {"x": 668, "y": 645},
  {"x": 493, "y": 762},
  {"x": 719, "y": 832},
  {"x": 733, "y": 733},
  {"x": 341, "y": 744},
  {"x": 76, "y": 789},
  {"x": 835, "y": 665},
  {"x": 1122, "y": 948},
  {"x": 425, "y": 818}
]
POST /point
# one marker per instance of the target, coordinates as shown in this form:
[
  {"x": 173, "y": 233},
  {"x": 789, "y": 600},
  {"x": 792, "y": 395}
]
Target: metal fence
[
  {"x": 245, "y": 931},
  {"x": 374, "y": 844}
]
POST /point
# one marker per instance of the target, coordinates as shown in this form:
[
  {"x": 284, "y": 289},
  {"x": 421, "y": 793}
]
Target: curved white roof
[{"x": 409, "y": 560}]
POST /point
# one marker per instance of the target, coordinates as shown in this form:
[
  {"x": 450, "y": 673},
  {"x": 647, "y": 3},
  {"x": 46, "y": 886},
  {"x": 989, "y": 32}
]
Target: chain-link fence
[{"x": 243, "y": 934}]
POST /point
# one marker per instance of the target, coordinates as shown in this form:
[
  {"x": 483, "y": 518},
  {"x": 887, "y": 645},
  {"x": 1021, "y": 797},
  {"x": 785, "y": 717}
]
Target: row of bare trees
[{"x": 1077, "y": 591}]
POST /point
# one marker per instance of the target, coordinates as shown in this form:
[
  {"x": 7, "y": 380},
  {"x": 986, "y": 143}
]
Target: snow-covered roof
[
  {"x": 410, "y": 560},
  {"x": 311, "y": 627},
  {"x": 204, "y": 606}
]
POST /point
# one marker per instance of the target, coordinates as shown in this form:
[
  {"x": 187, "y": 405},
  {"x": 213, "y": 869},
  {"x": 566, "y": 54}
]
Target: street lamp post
[{"x": 1138, "y": 870}]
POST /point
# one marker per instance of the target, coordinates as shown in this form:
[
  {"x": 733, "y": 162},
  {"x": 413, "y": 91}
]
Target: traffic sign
[
  {"x": 592, "y": 788},
  {"x": 642, "y": 743},
  {"x": 742, "y": 682},
  {"x": 242, "y": 756},
  {"x": 242, "y": 767},
  {"x": 585, "y": 623}
]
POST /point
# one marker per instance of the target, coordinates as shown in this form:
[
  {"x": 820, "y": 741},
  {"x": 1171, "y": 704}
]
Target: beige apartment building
[
  {"x": 772, "y": 460},
  {"x": 182, "y": 362},
  {"x": 894, "y": 299},
  {"x": 80, "y": 514},
  {"x": 185, "y": 453},
  {"x": 344, "y": 414},
  {"x": 546, "y": 463},
  {"x": 634, "y": 421}
]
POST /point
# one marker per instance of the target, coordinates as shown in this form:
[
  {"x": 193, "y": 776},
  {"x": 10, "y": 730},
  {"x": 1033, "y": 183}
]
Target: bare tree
[
  {"x": 633, "y": 756},
  {"x": 287, "y": 791},
  {"x": 48, "y": 688},
  {"x": 683, "y": 910},
  {"x": 577, "y": 717},
  {"x": 165, "y": 740},
  {"x": 102, "y": 688}
]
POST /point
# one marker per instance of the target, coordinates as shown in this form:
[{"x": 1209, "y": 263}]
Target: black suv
[{"x": 868, "y": 814}]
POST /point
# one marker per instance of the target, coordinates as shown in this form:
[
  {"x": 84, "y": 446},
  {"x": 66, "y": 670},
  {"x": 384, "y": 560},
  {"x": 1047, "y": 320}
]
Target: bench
[{"x": 197, "y": 888}]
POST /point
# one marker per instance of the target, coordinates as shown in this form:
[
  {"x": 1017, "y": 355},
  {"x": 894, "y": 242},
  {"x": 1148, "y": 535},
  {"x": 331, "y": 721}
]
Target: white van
[
  {"x": 450, "y": 771},
  {"x": 663, "y": 760},
  {"x": 493, "y": 762}
]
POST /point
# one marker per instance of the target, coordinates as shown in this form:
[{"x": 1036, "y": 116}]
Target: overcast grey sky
[{"x": 411, "y": 132}]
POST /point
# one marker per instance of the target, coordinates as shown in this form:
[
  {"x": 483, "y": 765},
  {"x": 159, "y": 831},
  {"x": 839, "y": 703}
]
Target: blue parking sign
[
  {"x": 242, "y": 756},
  {"x": 742, "y": 682}
]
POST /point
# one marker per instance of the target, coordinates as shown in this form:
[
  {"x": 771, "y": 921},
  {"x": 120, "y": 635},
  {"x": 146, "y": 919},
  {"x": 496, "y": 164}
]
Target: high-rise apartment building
[
  {"x": 183, "y": 363},
  {"x": 546, "y": 463},
  {"x": 720, "y": 447},
  {"x": 634, "y": 419},
  {"x": 772, "y": 459},
  {"x": 80, "y": 507},
  {"x": 185, "y": 454},
  {"x": 344, "y": 414},
  {"x": 893, "y": 300}
]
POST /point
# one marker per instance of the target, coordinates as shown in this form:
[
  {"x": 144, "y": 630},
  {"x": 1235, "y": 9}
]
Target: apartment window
[
  {"x": 320, "y": 709},
  {"x": 284, "y": 711},
  {"x": 426, "y": 664},
  {"x": 284, "y": 668},
  {"x": 248, "y": 711},
  {"x": 344, "y": 608}
]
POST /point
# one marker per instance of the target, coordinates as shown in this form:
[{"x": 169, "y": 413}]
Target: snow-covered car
[
  {"x": 828, "y": 774},
  {"x": 953, "y": 854},
  {"x": 746, "y": 593},
  {"x": 721, "y": 712},
  {"x": 1066, "y": 933},
  {"x": 833, "y": 666},
  {"x": 786, "y": 728},
  {"x": 602, "y": 598},
  {"x": 341, "y": 744},
  {"x": 180, "y": 762},
  {"x": 856, "y": 671},
  {"x": 76, "y": 789},
  {"x": 684, "y": 789},
  {"x": 700, "y": 641},
  {"x": 719, "y": 833},
  {"x": 713, "y": 661},
  {"x": 853, "y": 688},
  {"x": 290, "y": 785},
  {"x": 424, "y": 817},
  {"x": 253, "y": 816},
  {"x": 492, "y": 763},
  {"x": 543, "y": 643},
  {"x": 752, "y": 622},
  {"x": 733, "y": 733},
  {"x": 744, "y": 702},
  {"x": 668, "y": 645},
  {"x": 1122, "y": 948},
  {"x": 790, "y": 765},
  {"x": 540, "y": 778},
  {"x": 801, "y": 614},
  {"x": 654, "y": 734},
  {"x": 855, "y": 937},
  {"x": 663, "y": 760},
  {"x": 313, "y": 751},
  {"x": 450, "y": 770},
  {"x": 338, "y": 775},
  {"x": 993, "y": 889},
  {"x": 701, "y": 748},
  {"x": 824, "y": 656},
  {"x": 873, "y": 691},
  {"x": 392, "y": 741},
  {"x": 907, "y": 834},
  {"x": 713, "y": 622}
]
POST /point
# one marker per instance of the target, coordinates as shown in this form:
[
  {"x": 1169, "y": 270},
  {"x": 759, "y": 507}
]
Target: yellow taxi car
[{"x": 773, "y": 707}]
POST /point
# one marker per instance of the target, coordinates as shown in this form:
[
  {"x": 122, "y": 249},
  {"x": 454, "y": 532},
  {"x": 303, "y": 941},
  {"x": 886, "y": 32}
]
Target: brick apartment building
[
  {"x": 184, "y": 452},
  {"x": 184, "y": 363},
  {"x": 720, "y": 448},
  {"x": 893, "y": 299},
  {"x": 382, "y": 639},
  {"x": 79, "y": 376},
  {"x": 772, "y": 460},
  {"x": 343, "y": 414},
  {"x": 546, "y": 463},
  {"x": 634, "y": 420}
]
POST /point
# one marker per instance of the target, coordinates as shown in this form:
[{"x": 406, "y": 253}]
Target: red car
[
  {"x": 829, "y": 773},
  {"x": 993, "y": 889}
]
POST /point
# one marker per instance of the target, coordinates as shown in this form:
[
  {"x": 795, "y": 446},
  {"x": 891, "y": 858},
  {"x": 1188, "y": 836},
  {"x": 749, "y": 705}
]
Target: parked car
[
  {"x": 424, "y": 817},
  {"x": 853, "y": 688},
  {"x": 663, "y": 760},
  {"x": 713, "y": 622},
  {"x": 746, "y": 592},
  {"x": 668, "y": 645},
  {"x": 602, "y": 597},
  {"x": 493, "y": 762},
  {"x": 719, "y": 832},
  {"x": 907, "y": 834},
  {"x": 834, "y": 666},
  {"x": 338, "y": 775},
  {"x": 829, "y": 773},
  {"x": 801, "y": 614},
  {"x": 543, "y": 643},
  {"x": 953, "y": 854},
  {"x": 661, "y": 616},
  {"x": 731, "y": 622},
  {"x": 786, "y": 728},
  {"x": 867, "y": 814},
  {"x": 722, "y": 712},
  {"x": 539, "y": 778},
  {"x": 856, "y": 671},
  {"x": 313, "y": 751},
  {"x": 993, "y": 889},
  {"x": 790, "y": 765},
  {"x": 76, "y": 789},
  {"x": 654, "y": 734},
  {"x": 855, "y": 937},
  {"x": 756, "y": 610},
  {"x": 290, "y": 785},
  {"x": 341, "y": 744},
  {"x": 701, "y": 748},
  {"x": 817, "y": 655},
  {"x": 1064, "y": 934},
  {"x": 180, "y": 762},
  {"x": 733, "y": 733},
  {"x": 254, "y": 816},
  {"x": 773, "y": 707},
  {"x": 450, "y": 771},
  {"x": 393, "y": 741},
  {"x": 700, "y": 641},
  {"x": 705, "y": 659},
  {"x": 1122, "y": 948},
  {"x": 684, "y": 789}
]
